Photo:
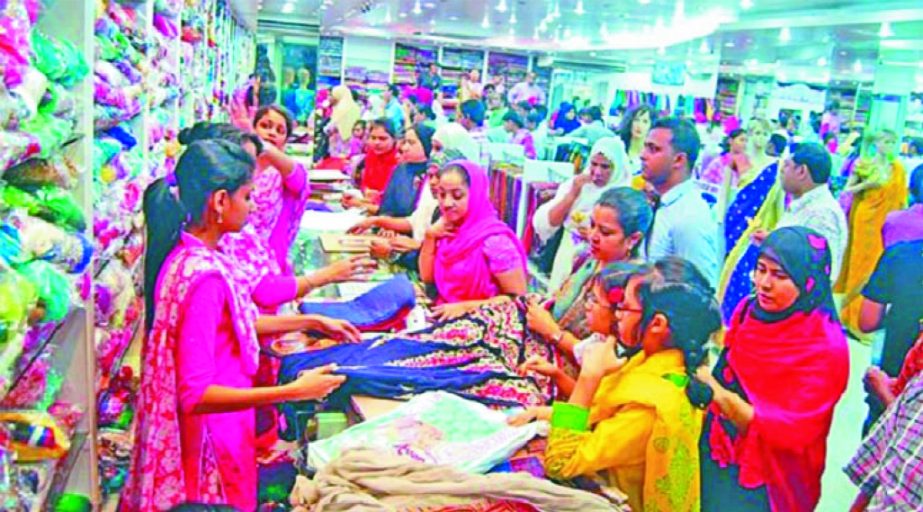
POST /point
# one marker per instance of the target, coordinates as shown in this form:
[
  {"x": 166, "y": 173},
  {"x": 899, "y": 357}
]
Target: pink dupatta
[
  {"x": 157, "y": 481},
  {"x": 271, "y": 199},
  {"x": 465, "y": 249}
]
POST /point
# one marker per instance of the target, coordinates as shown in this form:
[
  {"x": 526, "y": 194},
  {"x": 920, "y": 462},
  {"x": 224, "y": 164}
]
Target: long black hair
[
  {"x": 629, "y": 119},
  {"x": 173, "y": 203},
  {"x": 676, "y": 289},
  {"x": 633, "y": 211},
  {"x": 204, "y": 130}
]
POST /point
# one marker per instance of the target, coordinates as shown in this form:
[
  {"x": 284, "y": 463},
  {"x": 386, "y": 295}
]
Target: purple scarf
[{"x": 461, "y": 270}]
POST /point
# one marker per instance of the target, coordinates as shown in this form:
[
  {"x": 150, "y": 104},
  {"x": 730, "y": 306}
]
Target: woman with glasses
[
  {"x": 636, "y": 420},
  {"x": 776, "y": 383}
]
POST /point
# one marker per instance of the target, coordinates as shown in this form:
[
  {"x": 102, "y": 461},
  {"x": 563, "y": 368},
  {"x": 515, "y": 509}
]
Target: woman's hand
[
  {"x": 339, "y": 330},
  {"x": 363, "y": 225},
  {"x": 444, "y": 312},
  {"x": 441, "y": 229},
  {"x": 539, "y": 320},
  {"x": 600, "y": 360},
  {"x": 878, "y": 383},
  {"x": 404, "y": 244},
  {"x": 349, "y": 201},
  {"x": 539, "y": 365},
  {"x": 529, "y": 415},
  {"x": 354, "y": 268},
  {"x": 381, "y": 249},
  {"x": 581, "y": 180},
  {"x": 314, "y": 384}
]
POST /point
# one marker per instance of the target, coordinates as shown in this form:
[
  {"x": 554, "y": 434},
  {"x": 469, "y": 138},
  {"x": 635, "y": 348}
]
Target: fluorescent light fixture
[
  {"x": 785, "y": 35},
  {"x": 579, "y": 9},
  {"x": 644, "y": 2},
  {"x": 513, "y": 19},
  {"x": 729, "y": 44},
  {"x": 501, "y": 7},
  {"x": 485, "y": 23},
  {"x": 885, "y": 30},
  {"x": 288, "y": 8}
]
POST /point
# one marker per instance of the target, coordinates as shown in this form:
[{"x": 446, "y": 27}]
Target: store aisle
[{"x": 837, "y": 491}]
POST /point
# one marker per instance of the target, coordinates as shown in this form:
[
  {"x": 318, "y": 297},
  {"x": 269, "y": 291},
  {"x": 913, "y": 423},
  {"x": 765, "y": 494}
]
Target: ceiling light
[
  {"x": 746, "y": 4},
  {"x": 785, "y": 35},
  {"x": 417, "y": 9},
  {"x": 822, "y": 62},
  {"x": 513, "y": 19},
  {"x": 579, "y": 9},
  {"x": 403, "y": 15},
  {"x": 288, "y": 8},
  {"x": 661, "y": 51},
  {"x": 485, "y": 23},
  {"x": 703, "y": 48},
  {"x": 885, "y": 30},
  {"x": 857, "y": 66},
  {"x": 592, "y": 54},
  {"x": 729, "y": 44},
  {"x": 644, "y": 2},
  {"x": 429, "y": 5},
  {"x": 567, "y": 33},
  {"x": 535, "y": 34},
  {"x": 388, "y": 16},
  {"x": 557, "y": 11},
  {"x": 501, "y": 7}
]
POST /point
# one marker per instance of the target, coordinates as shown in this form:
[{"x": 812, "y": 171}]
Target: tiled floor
[{"x": 838, "y": 492}]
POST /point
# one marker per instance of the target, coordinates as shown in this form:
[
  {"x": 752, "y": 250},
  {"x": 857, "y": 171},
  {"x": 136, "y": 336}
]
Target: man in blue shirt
[
  {"x": 393, "y": 110},
  {"x": 684, "y": 225}
]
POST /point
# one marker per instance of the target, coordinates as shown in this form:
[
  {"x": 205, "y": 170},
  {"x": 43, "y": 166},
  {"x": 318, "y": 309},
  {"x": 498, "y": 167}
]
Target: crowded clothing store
[{"x": 461, "y": 255}]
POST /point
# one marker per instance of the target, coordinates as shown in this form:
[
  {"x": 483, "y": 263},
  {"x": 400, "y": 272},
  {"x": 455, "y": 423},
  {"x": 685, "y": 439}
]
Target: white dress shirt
[{"x": 818, "y": 210}]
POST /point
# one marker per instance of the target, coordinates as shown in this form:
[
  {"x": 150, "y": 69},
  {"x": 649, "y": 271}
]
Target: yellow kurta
[{"x": 644, "y": 436}]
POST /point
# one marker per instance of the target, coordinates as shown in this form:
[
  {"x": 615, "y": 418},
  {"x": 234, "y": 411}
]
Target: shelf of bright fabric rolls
[{"x": 61, "y": 351}]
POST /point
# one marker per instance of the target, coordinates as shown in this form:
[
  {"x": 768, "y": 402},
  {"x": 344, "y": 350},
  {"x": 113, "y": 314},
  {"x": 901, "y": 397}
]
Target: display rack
[
  {"x": 46, "y": 363},
  {"x": 329, "y": 62},
  {"x": 512, "y": 67},
  {"x": 407, "y": 58},
  {"x": 456, "y": 61},
  {"x": 726, "y": 96}
]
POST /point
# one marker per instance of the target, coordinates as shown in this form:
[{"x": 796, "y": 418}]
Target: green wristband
[{"x": 570, "y": 417}]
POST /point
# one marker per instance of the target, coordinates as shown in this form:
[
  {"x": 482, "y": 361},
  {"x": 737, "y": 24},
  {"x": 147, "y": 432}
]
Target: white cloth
[
  {"x": 422, "y": 218},
  {"x": 685, "y": 226},
  {"x": 455, "y": 136},
  {"x": 818, "y": 210},
  {"x": 614, "y": 150},
  {"x": 345, "y": 113}
]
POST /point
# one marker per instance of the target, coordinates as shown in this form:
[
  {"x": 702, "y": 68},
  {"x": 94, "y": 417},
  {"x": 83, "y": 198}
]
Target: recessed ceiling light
[
  {"x": 592, "y": 54},
  {"x": 417, "y": 8},
  {"x": 703, "y": 48},
  {"x": 403, "y": 15},
  {"x": 501, "y": 7},
  {"x": 746, "y": 4},
  {"x": 288, "y": 8},
  {"x": 513, "y": 19},
  {"x": 579, "y": 9},
  {"x": 644, "y": 2},
  {"x": 429, "y": 5},
  {"x": 822, "y": 62},
  {"x": 729, "y": 44},
  {"x": 785, "y": 35},
  {"x": 885, "y": 30},
  {"x": 485, "y": 23}
]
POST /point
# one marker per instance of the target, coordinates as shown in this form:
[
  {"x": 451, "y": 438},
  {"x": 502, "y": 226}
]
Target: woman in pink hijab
[{"x": 472, "y": 256}]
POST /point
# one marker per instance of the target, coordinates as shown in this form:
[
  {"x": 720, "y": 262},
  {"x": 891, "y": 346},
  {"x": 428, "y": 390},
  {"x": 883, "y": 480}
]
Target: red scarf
[
  {"x": 793, "y": 372},
  {"x": 378, "y": 170}
]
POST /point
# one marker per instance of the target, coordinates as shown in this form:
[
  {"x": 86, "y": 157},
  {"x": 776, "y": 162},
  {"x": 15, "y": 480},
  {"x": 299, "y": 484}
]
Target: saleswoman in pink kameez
[{"x": 195, "y": 420}]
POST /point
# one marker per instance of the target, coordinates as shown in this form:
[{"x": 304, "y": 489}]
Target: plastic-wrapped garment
[
  {"x": 104, "y": 149},
  {"x": 373, "y": 311},
  {"x": 15, "y": 46},
  {"x": 166, "y": 26},
  {"x": 35, "y": 435},
  {"x": 54, "y": 290},
  {"x": 58, "y": 59},
  {"x": 51, "y": 132},
  {"x": 436, "y": 428},
  {"x": 72, "y": 252},
  {"x": 47, "y": 202},
  {"x": 17, "y": 297},
  {"x": 59, "y": 170},
  {"x": 31, "y": 89}
]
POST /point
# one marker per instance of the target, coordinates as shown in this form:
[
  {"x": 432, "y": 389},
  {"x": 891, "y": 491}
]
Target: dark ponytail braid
[{"x": 681, "y": 293}]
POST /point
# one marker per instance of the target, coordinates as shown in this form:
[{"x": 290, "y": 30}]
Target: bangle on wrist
[{"x": 557, "y": 337}]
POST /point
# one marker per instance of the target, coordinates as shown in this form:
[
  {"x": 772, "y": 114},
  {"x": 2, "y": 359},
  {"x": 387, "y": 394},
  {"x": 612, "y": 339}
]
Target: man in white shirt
[
  {"x": 805, "y": 174},
  {"x": 684, "y": 225},
  {"x": 527, "y": 91},
  {"x": 471, "y": 116}
]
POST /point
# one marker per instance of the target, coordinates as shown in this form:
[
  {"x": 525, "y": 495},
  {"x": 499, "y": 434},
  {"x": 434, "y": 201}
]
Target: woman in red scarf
[
  {"x": 784, "y": 368},
  {"x": 380, "y": 159}
]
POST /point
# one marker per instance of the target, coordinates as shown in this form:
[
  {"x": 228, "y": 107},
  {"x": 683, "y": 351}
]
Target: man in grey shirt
[{"x": 684, "y": 225}]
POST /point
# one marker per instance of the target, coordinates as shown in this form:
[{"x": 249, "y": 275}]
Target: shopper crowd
[{"x": 699, "y": 353}]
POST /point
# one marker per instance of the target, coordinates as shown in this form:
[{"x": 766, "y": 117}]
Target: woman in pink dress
[
  {"x": 280, "y": 185},
  {"x": 195, "y": 421},
  {"x": 471, "y": 256}
]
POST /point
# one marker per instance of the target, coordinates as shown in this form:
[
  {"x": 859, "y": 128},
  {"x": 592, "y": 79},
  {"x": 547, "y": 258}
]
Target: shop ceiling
[{"x": 816, "y": 41}]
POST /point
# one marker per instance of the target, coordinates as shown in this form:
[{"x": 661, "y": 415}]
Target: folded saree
[{"x": 381, "y": 309}]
